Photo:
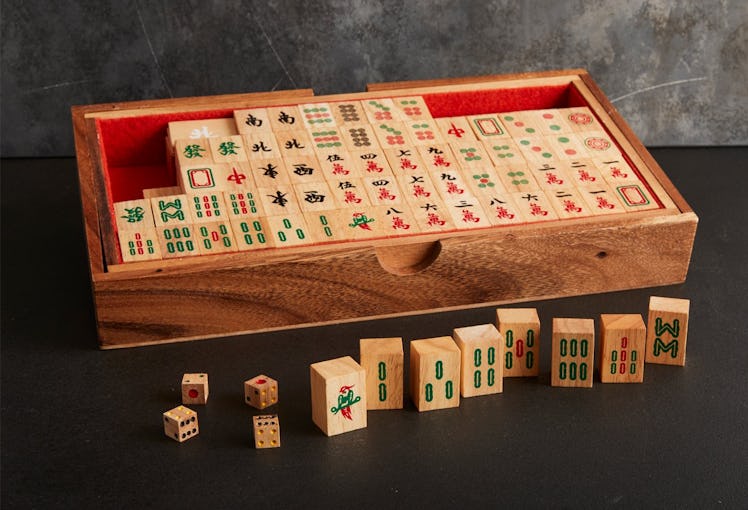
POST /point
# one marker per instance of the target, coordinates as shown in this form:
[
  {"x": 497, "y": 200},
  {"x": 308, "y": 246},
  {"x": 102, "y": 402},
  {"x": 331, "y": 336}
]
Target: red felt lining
[{"x": 458, "y": 104}]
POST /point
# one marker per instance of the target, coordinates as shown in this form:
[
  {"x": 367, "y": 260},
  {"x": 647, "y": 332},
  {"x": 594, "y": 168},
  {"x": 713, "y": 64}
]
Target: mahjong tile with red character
[
  {"x": 392, "y": 135},
  {"x": 243, "y": 203},
  {"x": 470, "y": 154},
  {"x": 412, "y": 108},
  {"x": 405, "y": 160},
  {"x": 371, "y": 162},
  {"x": 500, "y": 208},
  {"x": 359, "y": 137},
  {"x": 551, "y": 176},
  {"x": 467, "y": 213},
  {"x": 487, "y": 127},
  {"x": 261, "y": 145},
  {"x": 601, "y": 200},
  {"x": 616, "y": 171},
  {"x": 337, "y": 165},
  {"x": 315, "y": 196},
  {"x": 397, "y": 220},
  {"x": 303, "y": 169},
  {"x": 317, "y": 116},
  {"x": 233, "y": 176},
  {"x": 269, "y": 172},
  {"x": 383, "y": 190},
  {"x": 423, "y": 132},
  {"x": 417, "y": 187},
  {"x": 455, "y": 129},
  {"x": 438, "y": 157},
  {"x": 580, "y": 118},
  {"x": 252, "y": 120},
  {"x": 284, "y": 118},
  {"x": 432, "y": 215},
  {"x": 503, "y": 152},
  {"x": 534, "y": 206},
  {"x": 348, "y": 112},
  {"x": 350, "y": 192},
  {"x": 569, "y": 203},
  {"x": 380, "y": 110},
  {"x": 583, "y": 173},
  {"x": 228, "y": 149},
  {"x": 451, "y": 185}
]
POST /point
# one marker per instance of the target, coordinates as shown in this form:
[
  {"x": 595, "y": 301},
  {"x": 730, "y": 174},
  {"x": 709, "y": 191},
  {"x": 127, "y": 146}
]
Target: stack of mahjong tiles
[{"x": 360, "y": 170}]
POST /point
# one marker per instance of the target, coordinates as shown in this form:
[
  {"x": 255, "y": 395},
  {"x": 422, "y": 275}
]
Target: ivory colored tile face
[
  {"x": 382, "y": 358},
  {"x": 228, "y": 149},
  {"x": 488, "y": 127},
  {"x": 622, "y": 345},
  {"x": 572, "y": 352},
  {"x": 435, "y": 373},
  {"x": 455, "y": 129},
  {"x": 200, "y": 129},
  {"x": 348, "y": 112},
  {"x": 412, "y": 108},
  {"x": 338, "y": 392},
  {"x": 317, "y": 116},
  {"x": 251, "y": 234},
  {"x": 667, "y": 330},
  {"x": 137, "y": 245},
  {"x": 520, "y": 329},
  {"x": 252, "y": 120},
  {"x": 481, "y": 370},
  {"x": 215, "y": 237}
]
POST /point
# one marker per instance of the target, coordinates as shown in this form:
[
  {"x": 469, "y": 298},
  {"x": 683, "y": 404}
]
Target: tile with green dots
[
  {"x": 470, "y": 154},
  {"x": 379, "y": 110},
  {"x": 483, "y": 181},
  {"x": 536, "y": 150},
  {"x": 517, "y": 177},
  {"x": 568, "y": 146},
  {"x": 438, "y": 157},
  {"x": 550, "y": 122},
  {"x": 412, "y": 108},
  {"x": 501, "y": 209},
  {"x": 317, "y": 116},
  {"x": 488, "y": 127},
  {"x": 521, "y": 124},
  {"x": 391, "y": 134},
  {"x": 503, "y": 152},
  {"x": 423, "y": 132}
]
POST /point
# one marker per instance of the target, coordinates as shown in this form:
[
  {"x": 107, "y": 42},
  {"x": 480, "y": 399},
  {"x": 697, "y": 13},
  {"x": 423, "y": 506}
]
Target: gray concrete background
[{"x": 677, "y": 71}]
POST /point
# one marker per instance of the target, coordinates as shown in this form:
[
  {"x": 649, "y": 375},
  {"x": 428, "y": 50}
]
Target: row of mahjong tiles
[{"x": 415, "y": 188}]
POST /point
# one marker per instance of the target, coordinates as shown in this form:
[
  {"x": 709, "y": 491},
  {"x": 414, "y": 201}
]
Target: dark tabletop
[{"x": 81, "y": 428}]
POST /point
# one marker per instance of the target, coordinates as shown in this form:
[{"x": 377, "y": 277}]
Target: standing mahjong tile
[
  {"x": 371, "y": 162},
  {"x": 520, "y": 124},
  {"x": 405, "y": 160},
  {"x": 417, "y": 187},
  {"x": 383, "y": 190},
  {"x": 317, "y": 116},
  {"x": 583, "y": 173},
  {"x": 269, "y": 172},
  {"x": 228, "y": 149},
  {"x": 467, "y": 213},
  {"x": 251, "y": 233},
  {"x": 572, "y": 352},
  {"x": 243, "y": 203},
  {"x": 176, "y": 233},
  {"x": 337, "y": 165},
  {"x": 423, "y": 132},
  {"x": 470, "y": 154},
  {"x": 488, "y": 127},
  {"x": 534, "y": 206},
  {"x": 325, "y": 140},
  {"x": 536, "y": 151},
  {"x": 279, "y": 199},
  {"x": 451, "y": 185},
  {"x": 580, "y": 118},
  {"x": 289, "y": 230},
  {"x": 283, "y": 118},
  {"x": 303, "y": 169},
  {"x": 392, "y": 135},
  {"x": 551, "y": 176},
  {"x": 315, "y": 196},
  {"x": 599, "y": 145},
  {"x": 136, "y": 230},
  {"x": 550, "y": 122},
  {"x": 233, "y": 176},
  {"x": 327, "y": 226},
  {"x": 359, "y": 137},
  {"x": 438, "y": 157},
  {"x": 198, "y": 178},
  {"x": 171, "y": 209},
  {"x": 455, "y": 129},
  {"x": 616, "y": 171},
  {"x": 500, "y": 208},
  {"x": 635, "y": 197},
  {"x": 569, "y": 203},
  {"x": 207, "y": 207},
  {"x": 261, "y": 145},
  {"x": 252, "y": 120},
  {"x": 517, "y": 177},
  {"x": 191, "y": 153},
  {"x": 503, "y": 152},
  {"x": 432, "y": 215},
  {"x": 412, "y": 108},
  {"x": 215, "y": 237},
  {"x": 199, "y": 129},
  {"x": 380, "y": 110},
  {"x": 294, "y": 143},
  {"x": 350, "y": 193},
  {"x": 481, "y": 181},
  {"x": 601, "y": 200},
  {"x": 348, "y": 112},
  {"x": 568, "y": 146}
]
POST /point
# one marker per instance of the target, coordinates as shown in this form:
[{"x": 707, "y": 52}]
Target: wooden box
[{"x": 121, "y": 150}]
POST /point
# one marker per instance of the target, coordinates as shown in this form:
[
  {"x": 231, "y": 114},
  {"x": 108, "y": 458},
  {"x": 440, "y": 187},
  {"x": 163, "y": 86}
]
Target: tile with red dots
[
  {"x": 252, "y": 120},
  {"x": 580, "y": 119},
  {"x": 317, "y": 116},
  {"x": 536, "y": 150},
  {"x": 520, "y": 124},
  {"x": 470, "y": 154},
  {"x": 487, "y": 127},
  {"x": 371, "y": 162},
  {"x": 534, "y": 206},
  {"x": 380, "y": 110},
  {"x": 550, "y": 122},
  {"x": 412, "y": 108},
  {"x": 348, "y": 112},
  {"x": 423, "y": 132},
  {"x": 567, "y": 146},
  {"x": 438, "y": 157},
  {"x": 455, "y": 129},
  {"x": 405, "y": 160},
  {"x": 392, "y": 135}
]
